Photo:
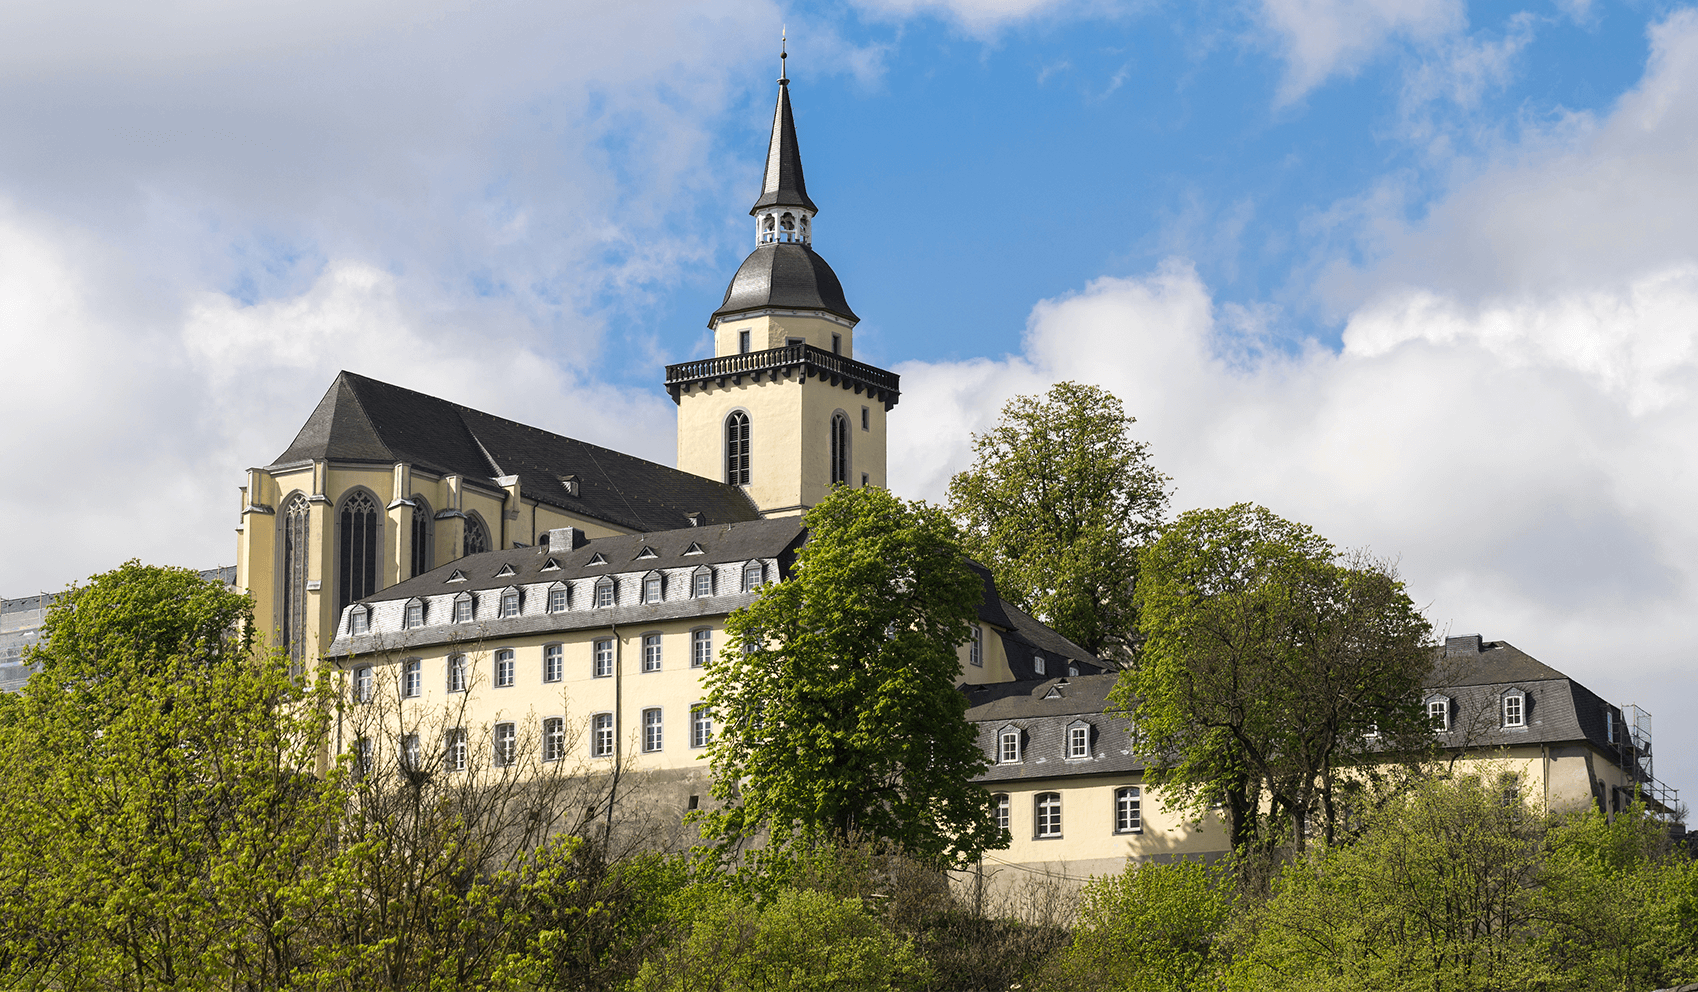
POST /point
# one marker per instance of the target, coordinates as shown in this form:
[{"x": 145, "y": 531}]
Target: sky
[{"x": 1422, "y": 274}]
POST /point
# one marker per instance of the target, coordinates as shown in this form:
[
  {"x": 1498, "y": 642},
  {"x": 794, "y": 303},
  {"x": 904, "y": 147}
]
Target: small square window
[
  {"x": 603, "y": 659},
  {"x": 553, "y": 662},
  {"x": 601, "y": 736},
  {"x": 651, "y": 730},
  {"x": 701, "y": 648},
  {"x": 651, "y": 652},
  {"x": 503, "y": 668}
]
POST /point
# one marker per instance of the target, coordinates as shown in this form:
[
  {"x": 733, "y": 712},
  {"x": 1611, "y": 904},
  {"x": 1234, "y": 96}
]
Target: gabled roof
[{"x": 365, "y": 420}]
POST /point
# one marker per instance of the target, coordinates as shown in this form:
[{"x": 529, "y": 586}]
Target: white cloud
[
  {"x": 986, "y": 17},
  {"x": 1323, "y": 38}
]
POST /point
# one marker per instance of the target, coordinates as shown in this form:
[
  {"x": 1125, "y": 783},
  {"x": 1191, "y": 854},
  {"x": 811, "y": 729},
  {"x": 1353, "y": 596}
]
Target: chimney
[
  {"x": 565, "y": 539},
  {"x": 1469, "y": 644}
]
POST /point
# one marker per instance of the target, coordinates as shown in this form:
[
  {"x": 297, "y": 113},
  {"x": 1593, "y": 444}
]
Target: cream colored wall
[
  {"x": 772, "y": 331},
  {"x": 577, "y": 697},
  {"x": 1560, "y": 778},
  {"x": 1087, "y": 825},
  {"x": 995, "y": 668},
  {"x": 775, "y": 433}
]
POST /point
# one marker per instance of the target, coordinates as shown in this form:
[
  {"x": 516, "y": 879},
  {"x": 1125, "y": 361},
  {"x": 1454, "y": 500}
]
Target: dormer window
[
  {"x": 976, "y": 647},
  {"x": 505, "y": 571},
  {"x": 694, "y": 548},
  {"x": 701, "y": 582},
  {"x": 604, "y": 592},
  {"x": 509, "y": 602},
  {"x": 1079, "y": 741},
  {"x": 359, "y": 620},
  {"x": 753, "y": 575},
  {"x": 1008, "y": 746},
  {"x": 1438, "y": 713},
  {"x": 550, "y": 566},
  {"x": 1515, "y": 708},
  {"x": 646, "y": 552},
  {"x": 1609, "y": 725},
  {"x": 558, "y": 598},
  {"x": 1038, "y": 663},
  {"x": 651, "y": 587},
  {"x": 415, "y": 615},
  {"x": 596, "y": 559},
  {"x": 456, "y": 576},
  {"x": 463, "y": 611}
]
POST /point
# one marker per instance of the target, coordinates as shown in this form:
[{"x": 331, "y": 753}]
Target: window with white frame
[
  {"x": 454, "y": 755},
  {"x": 553, "y": 662},
  {"x": 701, "y": 725},
  {"x": 1515, "y": 708},
  {"x": 753, "y": 575},
  {"x": 651, "y": 587},
  {"x": 976, "y": 647},
  {"x": 411, "y": 754},
  {"x": 701, "y": 647},
  {"x": 737, "y": 445},
  {"x": 602, "y": 665},
  {"x": 457, "y": 673},
  {"x": 701, "y": 582},
  {"x": 557, "y": 598},
  {"x": 1438, "y": 713},
  {"x": 359, "y": 620},
  {"x": 463, "y": 608},
  {"x": 604, "y": 592},
  {"x": 1128, "y": 810},
  {"x": 651, "y": 652},
  {"x": 601, "y": 735},
  {"x": 553, "y": 738},
  {"x": 412, "y": 677},
  {"x": 651, "y": 729},
  {"x": 1001, "y": 805},
  {"x": 1008, "y": 746},
  {"x": 504, "y": 668},
  {"x": 415, "y": 614},
  {"x": 1079, "y": 741},
  {"x": 362, "y": 684},
  {"x": 506, "y": 744},
  {"x": 1046, "y": 808},
  {"x": 1039, "y": 664},
  {"x": 365, "y": 757},
  {"x": 510, "y": 602}
]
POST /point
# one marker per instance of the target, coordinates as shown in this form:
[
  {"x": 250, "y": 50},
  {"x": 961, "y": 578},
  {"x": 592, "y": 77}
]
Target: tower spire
[
  {"x": 783, "y": 185},
  {"x": 783, "y": 44}
]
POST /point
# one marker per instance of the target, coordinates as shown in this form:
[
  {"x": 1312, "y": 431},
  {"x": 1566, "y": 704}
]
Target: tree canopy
[
  {"x": 836, "y": 694},
  {"x": 1057, "y": 502},
  {"x": 1271, "y": 664}
]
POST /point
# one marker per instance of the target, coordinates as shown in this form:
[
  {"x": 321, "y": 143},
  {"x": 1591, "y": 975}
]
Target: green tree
[
  {"x": 1273, "y": 671},
  {"x": 836, "y": 693},
  {"x": 1151, "y": 928},
  {"x": 1057, "y": 503}
]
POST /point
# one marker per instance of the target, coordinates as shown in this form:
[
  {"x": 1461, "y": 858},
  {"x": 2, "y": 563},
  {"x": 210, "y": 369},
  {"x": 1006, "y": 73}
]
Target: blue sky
[{"x": 1420, "y": 273}]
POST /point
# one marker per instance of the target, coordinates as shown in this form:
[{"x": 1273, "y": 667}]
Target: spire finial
[{"x": 783, "y": 53}]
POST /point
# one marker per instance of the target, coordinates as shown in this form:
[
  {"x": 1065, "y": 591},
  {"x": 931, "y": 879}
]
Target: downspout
[
  {"x": 1545, "y": 758},
  {"x": 618, "y": 726}
]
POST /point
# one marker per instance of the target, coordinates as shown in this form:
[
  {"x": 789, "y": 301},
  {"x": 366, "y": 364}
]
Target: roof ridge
[{"x": 361, "y": 407}]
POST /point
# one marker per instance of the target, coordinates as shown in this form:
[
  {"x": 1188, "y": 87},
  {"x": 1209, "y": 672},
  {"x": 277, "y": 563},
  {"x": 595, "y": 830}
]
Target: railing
[{"x": 805, "y": 357}]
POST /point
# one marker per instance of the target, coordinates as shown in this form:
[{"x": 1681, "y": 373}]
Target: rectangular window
[
  {"x": 504, "y": 668},
  {"x": 865, "y": 479},
  {"x": 837, "y": 344},
  {"x": 702, "y": 583},
  {"x": 415, "y": 615},
  {"x": 866, "y": 420},
  {"x": 976, "y": 647},
  {"x": 463, "y": 610},
  {"x": 1438, "y": 713},
  {"x": 506, "y": 744},
  {"x": 1001, "y": 804},
  {"x": 410, "y": 753},
  {"x": 651, "y": 589},
  {"x": 553, "y": 739},
  {"x": 553, "y": 662},
  {"x": 701, "y": 725},
  {"x": 753, "y": 573},
  {"x": 1128, "y": 811},
  {"x": 362, "y": 684},
  {"x": 1512, "y": 707},
  {"x": 701, "y": 648},
  {"x": 603, "y": 664},
  {"x": 1047, "y": 821},
  {"x": 1039, "y": 663},
  {"x": 457, "y": 673},
  {"x": 743, "y": 342},
  {"x": 1078, "y": 742},
  {"x": 412, "y": 677},
  {"x": 359, "y": 621},
  {"x": 601, "y": 736},
  {"x": 1609, "y": 725},
  {"x": 651, "y": 730},
  {"x": 455, "y": 752},
  {"x": 1008, "y": 752},
  {"x": 509, "y": 604},
  {"x": 365, "y": 757},
  {"x": 651, "y": 652},
  {"x": 557, "y": 599},
  {"x": 604, "y": 594}
]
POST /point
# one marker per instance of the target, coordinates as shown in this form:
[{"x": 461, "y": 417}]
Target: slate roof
[
  {"x": 362, "y": 420},
  {"x": 1043, "y": 710},
  {"x": 786, "y": 275},
  {"x": 1474, "y": 674},
  {"x": 783, "y": 185}
]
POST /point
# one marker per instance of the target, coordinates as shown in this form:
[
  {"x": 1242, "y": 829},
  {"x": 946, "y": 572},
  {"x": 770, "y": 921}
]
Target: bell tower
[{"x": 782, "y": 408}]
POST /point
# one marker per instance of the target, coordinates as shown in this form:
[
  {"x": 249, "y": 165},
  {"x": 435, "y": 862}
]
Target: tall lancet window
[
  {"x": 356, "y": 549},
  {"x": 477, "y": 539},
  {"x": 295, "y": 524},
  {"x": 421, "y": 535},
  {"x": 839, "y": 448},
  {"x": 737, "y": 448}
]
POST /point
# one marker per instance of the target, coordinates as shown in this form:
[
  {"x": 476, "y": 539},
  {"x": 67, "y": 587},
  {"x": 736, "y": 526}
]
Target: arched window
[
  {"x": 804, "y": 223},
  {"x": 787, "y": 225},
  {"x": 356, "y": 549},
  {"x": 839, "y": 448},
  {"x": 421, "y": 535},
  {"x": 294, "y": 521},
  {"x": 737, "y": 448},
  {"x": 767, "y": 224},
  {"x": 477, "y": 538}
]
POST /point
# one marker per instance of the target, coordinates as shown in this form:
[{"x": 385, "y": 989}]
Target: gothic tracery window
[
  {"x": 477, "y": 539},
  {"x": 737, "y": 448},
  {"x": 295, "y": 523},
  {"x": 421, "y": 535},
  {"x": 356, "y": 550}
]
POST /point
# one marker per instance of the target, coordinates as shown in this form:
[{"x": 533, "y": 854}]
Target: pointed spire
[{"x": 783, "y": 185}]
